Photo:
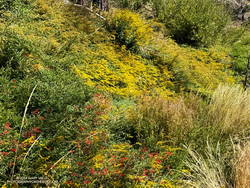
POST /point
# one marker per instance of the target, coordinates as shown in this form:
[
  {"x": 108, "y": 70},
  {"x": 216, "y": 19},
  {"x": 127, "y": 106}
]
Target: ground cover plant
[{"x": 117, "y": 102}]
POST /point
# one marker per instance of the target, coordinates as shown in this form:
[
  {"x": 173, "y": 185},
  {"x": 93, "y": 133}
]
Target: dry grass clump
[
  {"x": 242, "y": 167},
  {"x": 208, "y": 170},
  {"x": 159, "y": 117},
  {"x": 230, "y": 108}
]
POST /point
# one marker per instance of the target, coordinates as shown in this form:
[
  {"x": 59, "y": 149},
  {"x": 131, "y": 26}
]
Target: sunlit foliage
[
  {"x": 192, "y": 22},
  {"x": 110, "y": 104}
]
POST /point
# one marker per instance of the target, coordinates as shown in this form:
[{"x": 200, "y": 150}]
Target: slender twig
[
  {"x": 30, "y": 149},
  {"x": 59, "y": 160},
  {"x": 26, "y": 108},
  {"x": 23, "y": 121}
]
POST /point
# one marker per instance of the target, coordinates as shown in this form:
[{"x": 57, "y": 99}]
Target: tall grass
[
  {"x": 160, "y": 119},
  {"x": 242, "y": 167},
  {"x": 208, "y": 170},
  {"x": 230, "y": 109}
]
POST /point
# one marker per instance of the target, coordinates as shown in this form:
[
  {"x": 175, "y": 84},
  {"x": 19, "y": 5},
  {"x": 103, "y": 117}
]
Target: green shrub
[
  {"x": 16, "y": 6},
  {"x": 192, "y": 22},
  {"x": 7, "y": 4},
  {"x": 240, "y": 53},
  {"x": 56, "y": 91},
  {"x": 232, "y": 35},
  {"x": 13, "y": 51},
  {"x": 129, "y": 29}
]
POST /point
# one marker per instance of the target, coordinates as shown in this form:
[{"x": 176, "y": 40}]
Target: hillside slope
[{"x": 87, "y": 102}]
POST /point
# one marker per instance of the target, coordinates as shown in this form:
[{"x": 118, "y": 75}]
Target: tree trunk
[{"x": 104, "y": 5}]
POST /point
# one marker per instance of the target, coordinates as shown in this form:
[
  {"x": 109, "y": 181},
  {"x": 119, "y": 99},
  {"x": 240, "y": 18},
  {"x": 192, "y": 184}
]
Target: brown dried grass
[
  {"x": 242, "y": 167},
  {"x": 229, "y": 109}
]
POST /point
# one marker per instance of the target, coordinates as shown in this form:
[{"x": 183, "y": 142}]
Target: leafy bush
[
  {"x": 13, "y": 53},
  {"x": 196, "y": 70},
  {"x": 240, "y": 53},
  {"x": 192, "y": 22},
  {"x": 129, "y": 29},
  {"x": 8, "y": 4},
  {"x": 15, "y": 7},
  {"x": 232, "y": 34},
  {"x": 64, "y": 91}
]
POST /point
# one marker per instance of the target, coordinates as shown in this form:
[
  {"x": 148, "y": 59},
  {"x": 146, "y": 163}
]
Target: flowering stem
[
  {"x": 23, "y": 121},
  {"x": 30, "y": 149}
]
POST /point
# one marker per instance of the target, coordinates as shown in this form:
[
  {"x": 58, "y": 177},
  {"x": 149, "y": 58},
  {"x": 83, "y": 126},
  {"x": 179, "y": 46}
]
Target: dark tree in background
[{"x": 102, "y": 4}]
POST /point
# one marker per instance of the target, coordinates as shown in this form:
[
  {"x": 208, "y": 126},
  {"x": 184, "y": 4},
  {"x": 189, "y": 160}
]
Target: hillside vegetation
[{"x": 140, "y": 98}]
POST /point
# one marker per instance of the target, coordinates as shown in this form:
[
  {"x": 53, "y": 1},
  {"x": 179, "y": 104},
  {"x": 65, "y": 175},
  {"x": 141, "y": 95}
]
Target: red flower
[
  {"x": 5, "y": 132},
  {"x": 86, "y": 182},
  {"x": 123, "y": 159},
  {"x": 92, "y": 171},
  {"x": 169, "y": 153},
  {"x": 4, "y": 153},
  {"x": 99, "y": 172},
  {"x": 150, "y": 155},
  {"x": 35, "y": 112},
  {"x": 81, "y": 129},
  {"x": 69, "y": 182},
  {"x": 97, "y": 95},
  {"x": 98, "y": 113},
  {"x": 105, "y": 171},
  {"x": 36, "y": 130},
  {"x": 88, "y": 141},
  {"x": 13, "y": 150},
  {"x": 151, "y": 171},
  {"x": 79, "y": 163},
  {"x": 41, "y": 118},
  {"x": 144, "y": 173},
  {"x": 158, "y": 161},
  {"x": 7, "y": 125},
  {"x": 88, "y": 107},
  {"x": 14, "y": 81}
]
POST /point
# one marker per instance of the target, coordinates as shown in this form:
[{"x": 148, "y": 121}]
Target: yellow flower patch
[{"x": 123, "y": 74}]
